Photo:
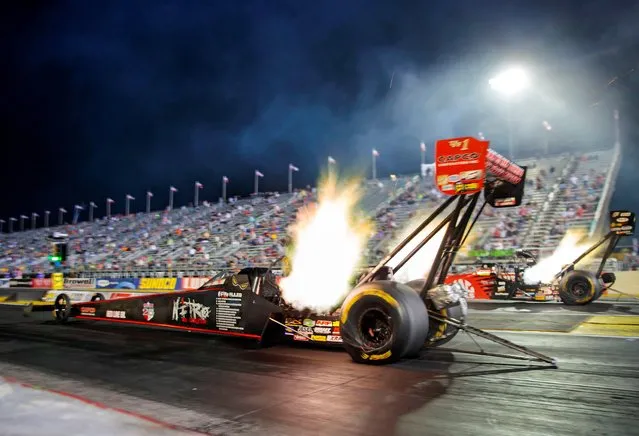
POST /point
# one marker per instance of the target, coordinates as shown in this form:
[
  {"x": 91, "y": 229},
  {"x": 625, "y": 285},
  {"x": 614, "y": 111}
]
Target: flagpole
[
  {"x": 224, "y": 182},
  {"x": 290, "y": 178},
  {"x": 374, "y": 165},
  {"x": 256, "y": 183}
]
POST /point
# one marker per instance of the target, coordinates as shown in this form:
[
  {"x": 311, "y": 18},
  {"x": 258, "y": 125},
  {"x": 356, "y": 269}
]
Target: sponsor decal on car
[
  {"x": 322, "y": 330},
  {"x": 292, "y": 322},
  {"x": 318, "y": 338},
  {"x": 335, "y": 323},
  {"x": 308, "y": 322},
  {"x": 300, "y": 338},
  {"x": 189, "y": 311},
  {"x": 116, "y": 295},
  {"x": 336, "y": 331},
  {"x": 224, "y": 294},
  {"x": 304, "y": 329},
  {"x": 87, "y": 311},
  {"x": 120, "y": 314},
  {"x": 333, "y": 338},
  {"x": 148, "y": 311},
  {"x": 323, "y": 323}
]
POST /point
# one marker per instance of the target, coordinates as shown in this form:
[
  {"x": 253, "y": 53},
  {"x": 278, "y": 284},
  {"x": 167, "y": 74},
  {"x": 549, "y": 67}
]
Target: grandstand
[{"x": 562, "y": 192}]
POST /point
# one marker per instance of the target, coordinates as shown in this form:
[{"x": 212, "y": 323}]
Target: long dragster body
[{"x": 246, "y": 305}]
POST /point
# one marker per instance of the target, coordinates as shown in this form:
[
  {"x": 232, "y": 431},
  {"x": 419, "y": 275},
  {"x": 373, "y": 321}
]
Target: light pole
[
  {"x": 34, "y": 216},
  {"x": 510, "y": 83},
  {"x": 11, "y": 221},
  {"x": 2, "y": 225},
  {"x": 22, "y": 218},
  {"x": 126, "y": 204},
  {"x": 225, "y": 181},
  {"x": 291, "y": 168},
  {"x": 109, "y": 202},
  {"x": 375, "y": 156},
  {"x": 196, "y": 195},
  {"x": 547, "y": 128},
  {"x": 149, "y": 195},
  {"x": 172, "y": 189},
  {"x": 46, "y": 218}
]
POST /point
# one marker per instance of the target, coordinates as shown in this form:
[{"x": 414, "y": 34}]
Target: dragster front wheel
[
  {"x": 579, "y": 288},
  {"x": 383, "y": 321},
  {"x": 440, "y": 333},
  {"x": 62, "y": 308}
]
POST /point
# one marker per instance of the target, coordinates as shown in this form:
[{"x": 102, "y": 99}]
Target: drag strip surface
[{"x": 223, "y": 386}]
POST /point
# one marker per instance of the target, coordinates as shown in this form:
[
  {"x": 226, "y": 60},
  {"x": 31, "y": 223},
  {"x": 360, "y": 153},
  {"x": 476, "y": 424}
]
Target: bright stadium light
[{"x": 510, "y": 82}]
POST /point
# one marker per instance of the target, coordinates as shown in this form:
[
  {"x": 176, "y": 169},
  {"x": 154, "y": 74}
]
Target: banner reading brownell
[
  {"x": 79, "y": 283},
  {"x": 163, "y": 284}
]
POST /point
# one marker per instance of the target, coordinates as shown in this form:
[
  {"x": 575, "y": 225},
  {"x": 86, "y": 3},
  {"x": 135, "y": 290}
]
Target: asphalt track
[{"x": 222, "y": 386}]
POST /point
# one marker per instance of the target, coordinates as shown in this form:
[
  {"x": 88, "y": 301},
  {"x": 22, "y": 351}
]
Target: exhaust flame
[
  {"x": 329, "y": 242},
  {"x": 568, "y": 250},
  {"x": 419, "y": 265}
]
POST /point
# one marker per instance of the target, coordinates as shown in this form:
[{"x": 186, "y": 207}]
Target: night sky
[{"x": 103, "y": 98}]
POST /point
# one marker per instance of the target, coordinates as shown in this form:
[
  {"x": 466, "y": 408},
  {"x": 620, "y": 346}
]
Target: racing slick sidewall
[
  {"x": 401, "y": 314},
  {"x": 579, "y": 287}
]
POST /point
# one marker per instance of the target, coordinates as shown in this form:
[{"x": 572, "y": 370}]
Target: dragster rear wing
[{"x": 466, "y": 166}]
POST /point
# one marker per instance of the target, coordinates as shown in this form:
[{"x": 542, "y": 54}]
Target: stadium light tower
[
  {"x": 34, "y": 217},
  {"x": 46, "y": 218},
  {"x": 92, "y": 206},
  {"x": 11, "y": 221},
  {"x": 2, "y": 225},
  {"x": 510, "y": 83}
]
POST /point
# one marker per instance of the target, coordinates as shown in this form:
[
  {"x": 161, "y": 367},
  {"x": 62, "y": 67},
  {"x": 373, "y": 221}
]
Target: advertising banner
[
  {"x": 19, "y": 283},
  {"x": 41, "y": 283},
  {"x": 111, "y": 283},
  {"x": 159, "y": 284},
  {"x": 83, "y": 283},
  {"x": 57, "y": 281},
  {"x": 4, "y": 283},
  {"x": 460, "y": 165},
  {"x": 193, "y": 283}
]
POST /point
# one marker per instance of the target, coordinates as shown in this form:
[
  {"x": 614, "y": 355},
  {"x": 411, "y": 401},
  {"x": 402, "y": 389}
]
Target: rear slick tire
[
  {"x": 578, "y": 288},
  {"x": 383, "y": 321}
]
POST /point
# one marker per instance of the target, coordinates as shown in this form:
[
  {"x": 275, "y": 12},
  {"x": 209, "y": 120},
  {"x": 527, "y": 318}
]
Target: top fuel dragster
[
  {"x": 380, "y": 320},
  {"x": 504, "y": 280}
]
